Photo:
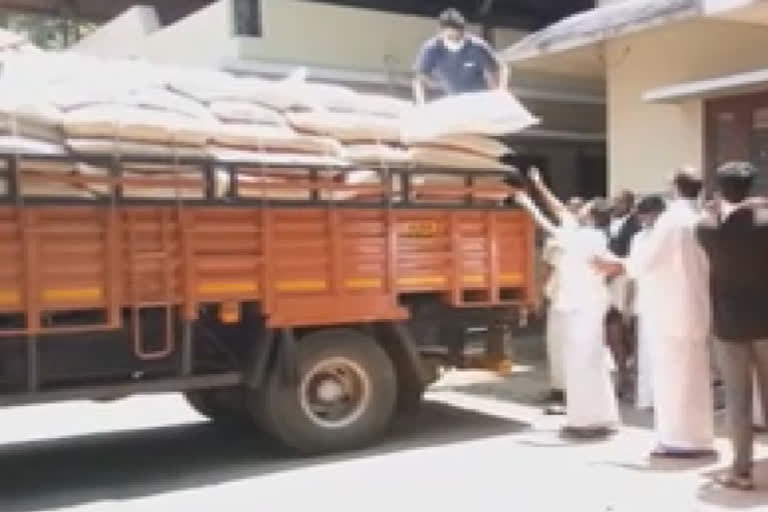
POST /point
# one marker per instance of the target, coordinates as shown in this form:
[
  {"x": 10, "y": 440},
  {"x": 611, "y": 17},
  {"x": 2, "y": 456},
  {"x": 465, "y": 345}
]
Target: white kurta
[
  {"x": 582, "y": 299},
  {"x": 555, "y": 327},
  {"x": 618, "y": 286},
  {"x": 645, "y": 331},
  {"x": 675, "y": 276}
]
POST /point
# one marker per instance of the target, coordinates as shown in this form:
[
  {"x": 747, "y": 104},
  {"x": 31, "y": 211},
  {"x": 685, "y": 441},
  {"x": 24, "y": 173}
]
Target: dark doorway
[
  {"x": 593, "y": 175},
  {"x": 736, "y": 128},
  {"x": 524, "y": 162}
]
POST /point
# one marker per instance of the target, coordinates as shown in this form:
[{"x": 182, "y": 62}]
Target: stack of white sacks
[{"x": 67, "y": 104}]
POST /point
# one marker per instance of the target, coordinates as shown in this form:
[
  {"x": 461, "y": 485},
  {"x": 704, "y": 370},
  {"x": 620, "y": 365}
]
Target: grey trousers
[{"x": 738, "y": 363}]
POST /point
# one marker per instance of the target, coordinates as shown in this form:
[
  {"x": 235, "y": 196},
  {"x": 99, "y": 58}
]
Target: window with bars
[{"x": 247, "y": 17}]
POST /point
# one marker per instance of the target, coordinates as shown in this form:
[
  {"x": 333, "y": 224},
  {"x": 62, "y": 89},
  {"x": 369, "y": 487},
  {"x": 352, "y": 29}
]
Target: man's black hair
[
  {"x": 651, "y": 204},
  {"x": 628, "y": 196},
  {"x": 452, "y": 18},
  {"x": 687, "y": 185},
  {"x": 735, "y": 180},
  {"x": 601, "y": 213}
]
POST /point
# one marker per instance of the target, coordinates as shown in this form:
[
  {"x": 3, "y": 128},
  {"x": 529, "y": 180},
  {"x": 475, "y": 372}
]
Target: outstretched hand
[
  {"x": 608, "y": 267},
  {"x": 757, "y": 202},
  {"x": 535, "y": 175}
]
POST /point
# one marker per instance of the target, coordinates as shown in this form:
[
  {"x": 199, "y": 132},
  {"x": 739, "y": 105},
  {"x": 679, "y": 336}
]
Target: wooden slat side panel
[{"x": 221, "y": 254}]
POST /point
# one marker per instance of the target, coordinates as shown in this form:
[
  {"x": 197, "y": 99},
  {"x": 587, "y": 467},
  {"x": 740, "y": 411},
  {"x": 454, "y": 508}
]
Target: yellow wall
[
  {"x": 341, "y": 37},
  {"x": 203, "y": 38},
  {"x": 646, "y": 142},
  {"x": 122, "y": 36}
]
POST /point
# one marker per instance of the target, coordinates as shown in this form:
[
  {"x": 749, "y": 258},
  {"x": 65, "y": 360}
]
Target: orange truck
[{"x": 293, "y": 300}]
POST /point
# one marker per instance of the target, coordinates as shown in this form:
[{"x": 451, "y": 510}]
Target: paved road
[{"x": 476, "y": 444}]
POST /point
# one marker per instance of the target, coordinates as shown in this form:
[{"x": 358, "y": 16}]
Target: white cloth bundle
[
  {"x": 480, "y": 113},
  {"x": 346, "y": 127}
]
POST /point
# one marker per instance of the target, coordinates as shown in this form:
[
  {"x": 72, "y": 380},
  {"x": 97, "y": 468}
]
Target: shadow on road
[
  {"x": 736, "y": 500},
  {"x": 123, "y": 465}
]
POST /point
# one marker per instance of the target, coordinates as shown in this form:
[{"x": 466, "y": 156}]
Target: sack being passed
[{"x": 479, "y": 113}]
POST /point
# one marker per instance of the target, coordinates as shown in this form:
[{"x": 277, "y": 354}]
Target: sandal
[
  {"x": 663, "y": 452},
  {"x": 587, "y": 432},
  {"x": 737, "y": 483}
]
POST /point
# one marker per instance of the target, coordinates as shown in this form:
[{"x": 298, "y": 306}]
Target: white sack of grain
[
  {"x": 15, "y": 144},
  {"x": 476, "y": 144},
  {"x": 451, "y": 158},
  {"x": 487, "y": 188},
  {"x": 281, "y": 189},
  {"x": 208, "y": 89},
  {"x": 317, "y": 96},
  {"x": 480, "y": 113},
  {"x": 346, "y": 127},
  {"x": 39, "y": 179},
  {"x": 22, "y": 106},
  {"x": 105, "y": 146},
  {"x": 55, "y": 73},
  {"x": 271, "y": 139},
  {"x": 225, "y": 155},
  {"x": 255, "y": 187},
  {"x": 374, "y": 154},
  {"x": 10, "y": 125},
  {"x": 245, "y": 112},
  {"x": 191, "y": 183},
  {"x": 131, "y": 123},
  {"x": 156, "y": 181},
  {"x": 157, "y": 99},
  {"x": 381, "y": 105}
]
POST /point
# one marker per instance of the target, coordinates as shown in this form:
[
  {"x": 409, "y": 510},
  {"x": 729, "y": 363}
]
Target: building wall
[
  {"x": 342, "y": 37},
  {"x": 646, "y": 142},
  {"x": 203, "y": 38},
  {"x": 123, "y": 35}
]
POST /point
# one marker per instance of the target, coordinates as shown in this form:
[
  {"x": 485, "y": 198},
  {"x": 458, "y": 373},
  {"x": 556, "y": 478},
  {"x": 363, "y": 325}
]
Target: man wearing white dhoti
[
  {"x": 591, "y": 404},
  {"x": 675, "y": 272},
  {"x": 648, "y": 210},
  {"x": 554, "y": 330},
  {"x": 618, "y": 322}
]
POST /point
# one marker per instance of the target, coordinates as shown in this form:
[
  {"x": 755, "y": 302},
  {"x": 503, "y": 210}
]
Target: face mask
[{"x": 453, "y": 46}]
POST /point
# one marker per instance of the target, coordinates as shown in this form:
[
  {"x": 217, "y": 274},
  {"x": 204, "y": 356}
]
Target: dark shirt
[
  {"x": 460, "y": 71},
  {"x": 620, "y": 244},
  {"x": 738, "y": 252}
]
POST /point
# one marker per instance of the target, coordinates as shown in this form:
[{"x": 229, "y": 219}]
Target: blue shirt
[{"x": 457, "y": 71}]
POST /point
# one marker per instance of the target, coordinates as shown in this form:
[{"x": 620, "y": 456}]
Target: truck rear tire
[
  {"x": 225, "y": 407},
  {"x": 344, "y": 397}
]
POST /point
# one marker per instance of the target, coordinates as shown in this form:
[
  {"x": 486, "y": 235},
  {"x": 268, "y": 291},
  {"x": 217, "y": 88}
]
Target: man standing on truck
[{"x": 457, "y": 62}]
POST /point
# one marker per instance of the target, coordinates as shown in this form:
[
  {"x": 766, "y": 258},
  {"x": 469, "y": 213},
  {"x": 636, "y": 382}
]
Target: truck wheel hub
[{"x": 335, "y": 392}]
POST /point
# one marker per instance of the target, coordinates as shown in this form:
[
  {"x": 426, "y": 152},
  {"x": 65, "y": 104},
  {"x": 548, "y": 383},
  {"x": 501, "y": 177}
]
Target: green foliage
[{"x": 45, "y": 30}]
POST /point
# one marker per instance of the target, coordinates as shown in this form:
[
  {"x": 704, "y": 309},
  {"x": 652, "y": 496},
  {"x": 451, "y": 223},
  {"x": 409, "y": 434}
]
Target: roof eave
[{"x": 514, "y": 55}]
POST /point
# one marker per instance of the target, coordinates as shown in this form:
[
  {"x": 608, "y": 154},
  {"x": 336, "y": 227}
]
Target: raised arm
[
  {"x": 541, "y": 220},
  {"x": 553, "y": 203},
  {"x": 419, "y": 85}
]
